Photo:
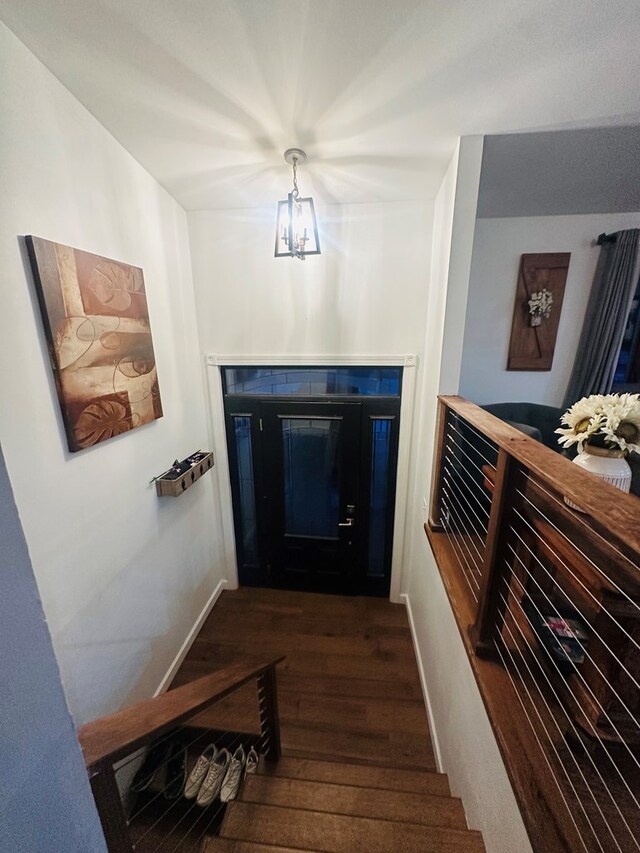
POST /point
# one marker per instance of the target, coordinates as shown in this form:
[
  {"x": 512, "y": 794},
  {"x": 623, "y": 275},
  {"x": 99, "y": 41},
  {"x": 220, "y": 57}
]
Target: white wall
[
  {"x": 122, "y": 574},
  {"x": 494, "y": 272},
  {"x": 466, "y": 748},
  {"x": 366, "y": 293}
]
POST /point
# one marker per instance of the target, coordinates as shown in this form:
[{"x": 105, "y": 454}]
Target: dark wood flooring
[{"x": 349, "y": 687}]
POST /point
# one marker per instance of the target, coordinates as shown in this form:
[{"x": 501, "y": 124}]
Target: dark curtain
[{"x": 611, "y": 295}]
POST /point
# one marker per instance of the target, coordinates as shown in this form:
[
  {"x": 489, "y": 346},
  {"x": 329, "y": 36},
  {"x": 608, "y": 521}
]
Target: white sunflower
[
  {"x": 621, "y": 425},
  {"x": 583, "y": 420}
]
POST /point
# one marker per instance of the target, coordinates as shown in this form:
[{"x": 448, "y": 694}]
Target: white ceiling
[{"x": 207, "y": 94}]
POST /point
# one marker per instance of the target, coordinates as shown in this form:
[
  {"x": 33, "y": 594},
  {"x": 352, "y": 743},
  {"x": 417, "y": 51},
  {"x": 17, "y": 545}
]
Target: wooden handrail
[
  {"x": 111, "y": 738},
  {"x": 611, "y": 512}
]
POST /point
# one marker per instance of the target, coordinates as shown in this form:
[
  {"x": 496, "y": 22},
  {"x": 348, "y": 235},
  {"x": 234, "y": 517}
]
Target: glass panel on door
[
  {"x": 313, "y": 381},
  {"x": 311, "y": 488},
  {"x": 244, "y": 454},
  {"x": 380, "y": 447}
]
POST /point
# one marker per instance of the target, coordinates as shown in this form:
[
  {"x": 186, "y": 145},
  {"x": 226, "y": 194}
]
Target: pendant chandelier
[{"x": 297, "y": 228}]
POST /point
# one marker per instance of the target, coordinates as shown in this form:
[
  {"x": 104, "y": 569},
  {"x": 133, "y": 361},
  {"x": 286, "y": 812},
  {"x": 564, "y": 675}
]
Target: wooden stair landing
[{"x": 349, "y": 688}]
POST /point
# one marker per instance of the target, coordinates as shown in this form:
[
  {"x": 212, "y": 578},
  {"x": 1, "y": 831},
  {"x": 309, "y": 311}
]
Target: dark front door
[
  {"x": 312, "y": 458},
  {"x": 311, "y": 493}
]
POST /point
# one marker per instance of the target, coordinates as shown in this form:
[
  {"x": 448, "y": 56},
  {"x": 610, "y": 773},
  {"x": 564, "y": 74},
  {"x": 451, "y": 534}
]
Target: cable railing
[
  {"x": 545, "y": 559},
  {"x": 164, "y": 771}
]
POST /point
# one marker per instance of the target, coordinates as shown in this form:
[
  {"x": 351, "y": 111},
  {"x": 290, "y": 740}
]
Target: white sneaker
[
  {"x": 214, "y": 778},
  {"x": 232, "y": 780},
  {"x": 252, "y": 761},
  {"x": 199, "y": 771}
]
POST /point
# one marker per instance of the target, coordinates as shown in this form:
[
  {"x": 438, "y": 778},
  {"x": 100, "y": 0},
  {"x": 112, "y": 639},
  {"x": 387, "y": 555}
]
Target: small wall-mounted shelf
[{"x": 176, "y": 481}]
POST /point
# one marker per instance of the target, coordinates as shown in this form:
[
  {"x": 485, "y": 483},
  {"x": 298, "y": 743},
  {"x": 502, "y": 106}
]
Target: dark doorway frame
[{"x": 255, "y": 572}]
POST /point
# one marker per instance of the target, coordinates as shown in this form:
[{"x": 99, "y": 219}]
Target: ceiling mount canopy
[{"x": 297, "y": 227}]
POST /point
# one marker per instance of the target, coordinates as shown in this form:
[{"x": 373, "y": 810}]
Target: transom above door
[{"x": 313, "y": 456}]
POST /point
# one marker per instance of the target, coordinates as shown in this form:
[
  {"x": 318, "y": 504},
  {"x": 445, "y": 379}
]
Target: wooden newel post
[
  {"x": 269, "y": 719},
  {"x": 496, "y": 565},
  {"x": 435, "y": 510},
  {"x": 110, "y": 810}
]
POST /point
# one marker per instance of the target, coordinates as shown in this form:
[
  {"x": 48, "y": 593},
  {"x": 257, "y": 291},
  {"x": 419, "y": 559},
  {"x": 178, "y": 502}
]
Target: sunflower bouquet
[{"x": 603, "y": 420}]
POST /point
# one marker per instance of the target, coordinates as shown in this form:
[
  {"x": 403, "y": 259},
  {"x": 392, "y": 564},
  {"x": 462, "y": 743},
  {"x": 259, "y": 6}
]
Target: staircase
[
  {"x": 301, "y": 804},
  {"x": 347, "y": 762}
]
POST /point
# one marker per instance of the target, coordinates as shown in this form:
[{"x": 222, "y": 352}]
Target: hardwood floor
[
  {"x": 349, "y": 687},
  {"x": 356, "y": 773}
]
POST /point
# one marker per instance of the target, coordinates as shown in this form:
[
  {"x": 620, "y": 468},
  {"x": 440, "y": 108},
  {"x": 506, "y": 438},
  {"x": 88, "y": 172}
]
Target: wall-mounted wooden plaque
[{"x": 532, "y": 347}]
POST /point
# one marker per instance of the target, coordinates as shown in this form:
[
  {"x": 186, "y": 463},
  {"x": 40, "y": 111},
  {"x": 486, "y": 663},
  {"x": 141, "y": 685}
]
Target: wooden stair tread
[
  {"x": 230, "y": 845},
  {"x": 363, "y": 775},
  {"x": 331, "y": 833},
  {"x": 351, "y": 800},
  {"x": 388, "y": 749},
  {"x": 336, "y": 685}
]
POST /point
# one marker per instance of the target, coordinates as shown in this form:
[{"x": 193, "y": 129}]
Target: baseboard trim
[
  {"x": 193, "y": 633},
  {"x": 423, "y": 682}
]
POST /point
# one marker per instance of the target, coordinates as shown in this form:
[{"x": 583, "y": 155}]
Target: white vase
[{"x": 609, "y": 465}]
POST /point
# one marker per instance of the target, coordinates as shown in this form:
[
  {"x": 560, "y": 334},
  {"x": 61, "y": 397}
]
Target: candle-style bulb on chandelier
[{"x": 297, "y": 228}]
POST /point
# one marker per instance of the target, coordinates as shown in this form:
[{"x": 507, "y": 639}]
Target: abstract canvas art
[{"x": 97, "y": 325}]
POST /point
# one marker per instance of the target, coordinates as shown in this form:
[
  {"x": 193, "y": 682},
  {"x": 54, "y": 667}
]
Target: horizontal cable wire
[
  {"x": 464, "y": 536},
  {"x": 459, "y": 530},
  {"x": 555, "y": 664},
  {"x": 580, "y": 551},
  {"x": 451, "y": 472},
  {"x": 206, "y": 732},
  {"x": 200, "y": 812},
  {"x": 586, "y": 589},
  {"x": 473, "y": 447},
  {"x": 471, "y": 567},
  {"x": 205, "y": 812},
  {"x": 451, "y": 484},
  {"x": 204, "y": 831},
  {"x": 489, "y": 442},
  {"x": 568, "y": 717},
  {"x": 466, "y": 521},
  {"x": 451, "y": 454},
  {"x": 552, "y": 717},
  {"x": 542, "y": 749},
  {"x": 238, "y": 738},
  {"x": 595, "y": 665},
  {"x": 464, "y": 574},
  {"x": 172, "y": 806},
  {"x": 593, "y": 630}
]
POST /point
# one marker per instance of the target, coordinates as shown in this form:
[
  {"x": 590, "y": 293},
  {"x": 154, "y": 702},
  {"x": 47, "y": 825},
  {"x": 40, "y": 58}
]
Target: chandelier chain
[{"x": 296, "y": 192}]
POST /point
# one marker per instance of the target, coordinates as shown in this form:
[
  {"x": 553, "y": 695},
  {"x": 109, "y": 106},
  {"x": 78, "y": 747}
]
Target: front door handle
[{"x": 348, "y": 523}]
